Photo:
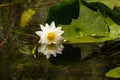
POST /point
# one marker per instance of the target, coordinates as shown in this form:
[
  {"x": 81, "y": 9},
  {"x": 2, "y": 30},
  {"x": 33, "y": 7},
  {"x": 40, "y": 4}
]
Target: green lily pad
[
  {"x": 114, "y": 14},
  {"x": 86, "y": 28},
  {"x": 64, "y": 12},
  {"x": 114, "y": 73},
  {"x": 109, "y": 3},
  {"x": 90, "y": 26}
]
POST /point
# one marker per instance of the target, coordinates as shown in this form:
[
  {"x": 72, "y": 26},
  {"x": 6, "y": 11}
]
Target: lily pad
[
  {"x": 109, "y": 3},
  {"x": 64, "y": 12},
  {"x": 114, "y": 73},
  {"x": 114, "y": 14},
  {"x": 86, "y": 28},
  {"x": 91, "y": 25}
]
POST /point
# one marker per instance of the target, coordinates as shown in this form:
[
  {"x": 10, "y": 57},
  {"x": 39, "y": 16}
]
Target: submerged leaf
[
  {"x": 114, "y": 73},
  {"x": 27, "y": 50},
  {"x": 26, "y": 17}
]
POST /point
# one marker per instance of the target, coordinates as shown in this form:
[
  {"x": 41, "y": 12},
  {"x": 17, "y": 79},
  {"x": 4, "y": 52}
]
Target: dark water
[{"x": 16, "y": 63}]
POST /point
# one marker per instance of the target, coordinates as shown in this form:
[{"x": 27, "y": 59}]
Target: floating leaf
[
  {"x": 90, "y": 26},
  {"x": 105, "y": 10},
  {"x": 26, "y": 17},
  {"x": 114, "y": 73},
  {"x": 64, "y": 12},
  {"x": 109, "y": 3},
  {"x": 115, "y": 30}
]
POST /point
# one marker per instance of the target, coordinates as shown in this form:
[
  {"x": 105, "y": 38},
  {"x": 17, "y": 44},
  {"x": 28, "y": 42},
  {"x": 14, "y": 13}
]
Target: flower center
[{"x": 51, "y": 36}]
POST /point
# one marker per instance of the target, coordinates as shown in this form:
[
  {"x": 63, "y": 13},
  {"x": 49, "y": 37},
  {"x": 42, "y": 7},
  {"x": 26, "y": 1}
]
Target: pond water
[{"x": 79, "y": 61}]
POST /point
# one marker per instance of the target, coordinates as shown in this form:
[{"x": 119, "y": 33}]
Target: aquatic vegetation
[
  {"x": 98, "y": 21},
  {"x": 80, "y": 39},
  {"x": 114, "y": 73},
  {"x": 94, "y": 22},
  {"x": 48, "y": 49},
  {"x": 26, "y": 17},
  {"x": 50, "y": 40},
  {"x": 50, "y": 34}
]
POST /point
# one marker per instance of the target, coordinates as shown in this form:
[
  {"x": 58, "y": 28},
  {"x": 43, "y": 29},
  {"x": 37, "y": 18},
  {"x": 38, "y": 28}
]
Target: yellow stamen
[{"x": 51, "y": 36}]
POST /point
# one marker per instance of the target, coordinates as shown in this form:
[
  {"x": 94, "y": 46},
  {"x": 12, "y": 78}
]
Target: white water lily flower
[
  {"x": 50, "y": 34},
  {"x": 48, "y": 49}
]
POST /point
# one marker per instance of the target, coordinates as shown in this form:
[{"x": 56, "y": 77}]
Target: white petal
[
  {"x": 39, "y": 49},
  {"x": 52, "y": 25},
  {"x": 54, "y": 54},
  {"x": 59, "y": 52},
  {"x": 47, "y": 26},
  {"x": 39, "y": 33},
  {"x": 58, "y": 28},
  {"x": 43, "y": 41},
  {"x": 60, "y": 47},
  {"x": 47, "y": 55},
  {"x": 62, "y": 32},
  {"x": 58, "y": 39},
  {"x": 42, "y": 27},
  {"x": 59, "y": 32},
  {"x": 39, "y": 41},
  {"x": 42, "y": 48}
]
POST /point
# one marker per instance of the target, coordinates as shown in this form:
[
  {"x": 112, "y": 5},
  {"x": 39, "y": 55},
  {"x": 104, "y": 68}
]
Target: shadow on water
[{"x": 69, "y": 55}]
